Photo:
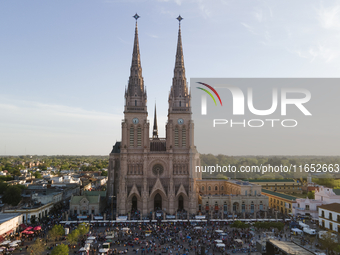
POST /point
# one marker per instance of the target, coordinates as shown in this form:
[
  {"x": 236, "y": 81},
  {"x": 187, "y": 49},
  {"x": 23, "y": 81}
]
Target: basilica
[{"x": 155, "y": 173}]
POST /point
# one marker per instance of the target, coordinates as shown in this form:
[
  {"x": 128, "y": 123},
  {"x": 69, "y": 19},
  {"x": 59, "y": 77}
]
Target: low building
[
  {"x": 279, "y": 201},
  {"x": 87, "y": 204},
  {"x": 31, "y": 213},
  {"x": 288, "y": 186},
  {"x": 231, "y": 196},
  {"x": 280, "y": 247},
  {"x": 306, "y": 206},
  {"x": 9, "y": 223},
  {"x": 329, "y": 216},
  {"x": 327, "y": 195}
]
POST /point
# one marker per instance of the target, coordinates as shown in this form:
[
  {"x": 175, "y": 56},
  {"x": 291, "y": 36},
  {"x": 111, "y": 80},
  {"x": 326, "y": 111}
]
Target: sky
[{"x": 64, "y": 64}]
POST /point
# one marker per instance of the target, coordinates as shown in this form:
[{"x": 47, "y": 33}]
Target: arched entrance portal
[
  {"x": 180, "y": 203},
  {"x": 134, "y": 204},
  {"x": 158, "y": 202}
]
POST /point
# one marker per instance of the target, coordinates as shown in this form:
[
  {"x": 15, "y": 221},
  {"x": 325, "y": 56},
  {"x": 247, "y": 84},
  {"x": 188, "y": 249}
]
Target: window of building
[
  {"x": 281, "y": 202},
  {"x": 184, "y": 137},
  {"x": 330, "y": 226},
  {"x": 139, "y": 137},
  {"x": 307, "y": 207},
  {"x": 202, "y": 188},
  {"x": 338, "y": 219},
  {"x": 216, "y": 188},
  {"x": 330, "y": 216},
  {"x": 222, "y": 188},
  {"x": 246, "y": 193},
  {"x": 132, "y": 137},
  {"x": 209, "y": 188},
  {"x": 176, "y": 137},
  {"x": 323, "y": 214},
  {"x": 135, "y": 102},
  {"x": 255, "y": 192}
]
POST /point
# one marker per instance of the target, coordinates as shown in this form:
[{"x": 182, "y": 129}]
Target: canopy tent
[
  {"x": 29, "y": 228},
  {"x": 218, "y": 241},
  {"x": 37, "y": 228},
  {"x": 220, "y": 245},
  {"x": 218, "y": 231},
  {"x": 296, "y": 230},
  {"x": 198, "y": 227},
  {"x": 91, "y": 238},
  {"x": 89, "y": 241}
]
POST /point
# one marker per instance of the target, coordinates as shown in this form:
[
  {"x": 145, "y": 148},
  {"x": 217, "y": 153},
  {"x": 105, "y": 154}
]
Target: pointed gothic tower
[
  {"x": 135, "y": 94},
  {"x": 179, "y": 128},
  {"x": 135, "y": 128}
]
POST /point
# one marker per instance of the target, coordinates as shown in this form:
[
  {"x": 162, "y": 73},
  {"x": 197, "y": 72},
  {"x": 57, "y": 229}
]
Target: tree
[
  {"x": 311, "y": 194},
  {"x": 73, "y": 237},
  {"x": 329, "y": 241},
  {"x": 56, "y": 232},
  {"x": 12, "y": 195},
  {"x": 37, "y": 175},
  {"x": 3, "y": 187},
  {"x": 36, "y": 248},
  {"x": 83, "y": 229},
  {"x": 239, "y": 224},
  {"x": 104, "y": 173},
  {"x": 60, "y": 250}
]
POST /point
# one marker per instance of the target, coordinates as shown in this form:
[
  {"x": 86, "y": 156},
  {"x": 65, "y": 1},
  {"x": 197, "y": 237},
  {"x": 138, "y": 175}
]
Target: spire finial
[
  {"x": 179, "y": 18},
  {"x": 136, "y": 16}
]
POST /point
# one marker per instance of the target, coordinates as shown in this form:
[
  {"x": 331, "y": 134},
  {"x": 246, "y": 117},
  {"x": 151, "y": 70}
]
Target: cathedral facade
[{"x": 152, "y": 173}]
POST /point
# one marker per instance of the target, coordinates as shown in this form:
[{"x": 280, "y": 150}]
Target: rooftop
[
  {"x": 272, "y": 180},
  {"x": 290, "y": 247},
  {"x": 7, "y": 216},
  {"x": 334, "y": 207},
  {"x": 277, "y": 194}
]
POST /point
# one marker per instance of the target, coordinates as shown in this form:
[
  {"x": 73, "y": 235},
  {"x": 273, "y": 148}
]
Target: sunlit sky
[{"x": 64, "y": 64}]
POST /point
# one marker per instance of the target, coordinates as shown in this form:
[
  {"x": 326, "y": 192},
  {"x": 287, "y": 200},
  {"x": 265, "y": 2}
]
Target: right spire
[{"x": 179, "y": 91}]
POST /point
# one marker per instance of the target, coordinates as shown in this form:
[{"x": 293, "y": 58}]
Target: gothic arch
[{"x": 165, "y": 204}]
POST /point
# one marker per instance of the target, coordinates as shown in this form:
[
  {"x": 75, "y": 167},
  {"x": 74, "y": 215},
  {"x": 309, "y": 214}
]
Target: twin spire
[{"x": 136, "y": 93}]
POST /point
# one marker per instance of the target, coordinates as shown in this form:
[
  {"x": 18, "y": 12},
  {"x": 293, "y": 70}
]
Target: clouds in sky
[{"x": 64, "y": 66}]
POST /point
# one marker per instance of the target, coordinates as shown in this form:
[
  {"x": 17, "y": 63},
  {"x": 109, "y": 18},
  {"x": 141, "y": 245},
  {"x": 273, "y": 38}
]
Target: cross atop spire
[
  {"x": 136, "y": 16},
  {"x": 179, "y": 18}
]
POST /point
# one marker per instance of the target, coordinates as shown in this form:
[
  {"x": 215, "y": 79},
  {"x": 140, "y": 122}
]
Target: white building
[
  {"x": 9, "y": 223},
  {"x": 28, "y": 213},
  {"x": 329, "y": 216},
  {"x": 326, "y": 195},
  {"x": 306, "y": 206},
  {"x": 323, "y": 196},
  {"x": 3, "y": 173}
]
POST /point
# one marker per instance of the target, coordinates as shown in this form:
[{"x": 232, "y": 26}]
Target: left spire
[{"x": 135, "y": 94}]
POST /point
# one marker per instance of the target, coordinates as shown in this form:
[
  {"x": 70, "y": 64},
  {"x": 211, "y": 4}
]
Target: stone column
[
  {"x": 265, "y": 215},
  {"x": 141, "y": 216},
  {"x": 91, "y": 217},
  {"x": 153, "y": 215},
  {"x": 244, "y": 215},
  {"x": 276, "y": 215},
  {"x": 66, "y": 216},
  {"x": 104, "y": 217},
  {"x": 233, "y": 215},
  {"x": 222, "y": 215},
  {"x": 129, "y": 216}
]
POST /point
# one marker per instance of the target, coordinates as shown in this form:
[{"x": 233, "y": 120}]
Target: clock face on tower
[
  {"x": 180, "y": 121},
  {"x": 135, "y": 120}
]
